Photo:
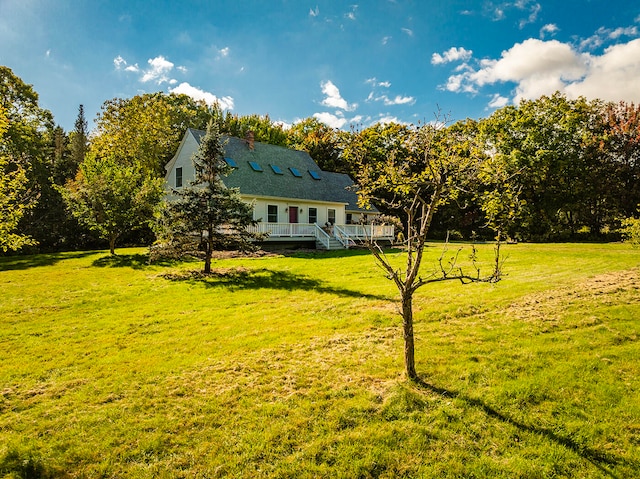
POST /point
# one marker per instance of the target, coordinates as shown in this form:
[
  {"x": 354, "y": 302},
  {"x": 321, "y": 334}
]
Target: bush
[{"x": 631, "y": 231}]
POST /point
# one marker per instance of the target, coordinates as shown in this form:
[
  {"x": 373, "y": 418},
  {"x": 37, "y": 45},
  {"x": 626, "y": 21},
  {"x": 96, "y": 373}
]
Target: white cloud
[
  {"x": 604, "y": 34},
  {"x": 612, "y": 76},
  {"x": 223, "y": 53},
  {"x": 158, "y": 72},
  {"x": 386, "y": 39},
  {"x": 314, "y": 12},
  {"x": 334, "y": 121},
  {"x": 334, "y": 99},
  {"x": 498, "y": 101},
  {"x": 549, "y": 28},
  {"x": 352, "y": 14},
  {"x": 498, "y": 12},
  {"x": 407, "y": 31},
  {"x": 387, "y": 119},
  {"x": 119, "y": 62},
  {"x": 226, "y": 102},
  {"x": 159, "y": 69},
  {"x": 628, "y": 32},
  {"x": 453, "y": 54},
  {"x": 400, "y": 100},
  {"x": 539, "y": 67},
  {"x": 374, "y": 81},
  {"x": 533, "y": 7}
]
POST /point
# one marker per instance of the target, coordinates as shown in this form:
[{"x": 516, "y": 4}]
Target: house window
[
  {"x": 295, "y": 172},
  {"x": 314, "y": 175},
  {"x": 277, "y": 170},
  {"x": 331, "y": 216},
  {"x": 272, "y": 213},
  {"x": 179, "y": 177},
  {"x": 313, "y": 215},
  {"x": 349, "y": 218}
]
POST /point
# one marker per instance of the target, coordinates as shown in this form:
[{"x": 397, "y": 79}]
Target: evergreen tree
[
  {"x": 79, "y": 139},
  {"x": 207, "y": 216}
]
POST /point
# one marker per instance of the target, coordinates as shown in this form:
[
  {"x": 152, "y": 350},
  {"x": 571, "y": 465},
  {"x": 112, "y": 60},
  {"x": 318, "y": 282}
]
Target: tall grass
[{"x": 292, "y": 367}]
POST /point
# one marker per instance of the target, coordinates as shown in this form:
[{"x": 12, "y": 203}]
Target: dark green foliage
[
  {"x": 207, "y": 216},
  {"x": 573, "y": 164}
]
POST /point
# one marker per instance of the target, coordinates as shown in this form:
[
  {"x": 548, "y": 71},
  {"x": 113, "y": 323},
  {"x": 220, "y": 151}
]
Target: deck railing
[
  {"x": 365, "y": 232},
  {"x": 346, "y": 234}
]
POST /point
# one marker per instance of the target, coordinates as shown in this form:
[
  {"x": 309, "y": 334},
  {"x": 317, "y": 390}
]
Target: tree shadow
[
  {"x": 135, "y": 261},
  {"x": 601, "y": 460},
  {"x": 10, "y": 263},
  {"x": 240, "y": 278}
]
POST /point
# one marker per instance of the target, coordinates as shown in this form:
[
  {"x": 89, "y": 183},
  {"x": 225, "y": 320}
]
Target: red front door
[{"x": 293, "y": 214}]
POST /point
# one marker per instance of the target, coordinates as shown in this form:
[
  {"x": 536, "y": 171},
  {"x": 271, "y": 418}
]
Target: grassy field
[{"x": 291, "y": 366}]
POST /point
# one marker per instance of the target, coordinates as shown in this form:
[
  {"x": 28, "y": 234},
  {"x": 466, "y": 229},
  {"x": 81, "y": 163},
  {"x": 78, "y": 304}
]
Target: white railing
[
  {"x": 365, "y": 232},
  {"x": 346, "y": 234},
  {"x": 322, "y": 236},
  {"x": 342, "y": 236},
  {"x": 285, "y": 230}
]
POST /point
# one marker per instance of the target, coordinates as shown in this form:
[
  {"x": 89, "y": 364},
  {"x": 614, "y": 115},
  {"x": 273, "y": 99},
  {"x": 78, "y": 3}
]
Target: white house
[{"x": 294, "y": 201}]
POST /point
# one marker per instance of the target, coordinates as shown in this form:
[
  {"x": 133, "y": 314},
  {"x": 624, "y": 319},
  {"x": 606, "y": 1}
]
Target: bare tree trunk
[
  {"x": 407, "y": 327},
  {"x": 112, "y": 244}
]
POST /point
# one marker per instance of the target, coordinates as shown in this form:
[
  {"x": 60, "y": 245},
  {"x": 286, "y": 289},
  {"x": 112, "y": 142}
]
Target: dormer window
[{"x": 179, "y": 177}]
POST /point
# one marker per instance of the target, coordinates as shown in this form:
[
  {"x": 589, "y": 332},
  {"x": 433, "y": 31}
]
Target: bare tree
[{"x": 435, "y": 165}]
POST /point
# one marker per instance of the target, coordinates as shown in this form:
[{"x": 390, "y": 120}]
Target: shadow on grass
[
  {"x": 9, "y": 263},
  {"x": 134, "y": 261},
  {"x": 599, "y": 459},
  {"x": 240, "y": 278}
]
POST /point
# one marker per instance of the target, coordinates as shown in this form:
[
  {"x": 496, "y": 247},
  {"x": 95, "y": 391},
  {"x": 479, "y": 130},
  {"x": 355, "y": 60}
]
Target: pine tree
[
  {"x": 79, "y": 139},
  {"x": 207, "y": 216}
]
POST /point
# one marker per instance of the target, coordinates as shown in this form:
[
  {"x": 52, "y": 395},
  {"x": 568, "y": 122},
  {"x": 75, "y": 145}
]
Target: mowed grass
[{"x": 292, "y": 367}]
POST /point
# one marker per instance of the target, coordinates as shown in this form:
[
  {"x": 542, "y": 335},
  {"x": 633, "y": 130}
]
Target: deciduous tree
[
  {"x": 14, "y": 197},
  {"x": 112, "y": 198},
  {"x": 424, "y": 172},
  {"x": 147, "y": 129},
  {"x": 321, "y": 142}
]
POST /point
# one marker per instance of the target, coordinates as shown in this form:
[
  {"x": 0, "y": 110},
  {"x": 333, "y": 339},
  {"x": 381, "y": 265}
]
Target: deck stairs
[{"x": 332, "y": 244}]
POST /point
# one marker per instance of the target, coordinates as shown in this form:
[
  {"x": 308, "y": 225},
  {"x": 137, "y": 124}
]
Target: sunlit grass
[{"x": 292, "y": 367}]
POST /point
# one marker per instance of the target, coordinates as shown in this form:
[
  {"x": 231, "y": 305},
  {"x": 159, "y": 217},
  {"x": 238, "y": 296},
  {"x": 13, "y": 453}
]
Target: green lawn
[{"x": 292, "y": 367}]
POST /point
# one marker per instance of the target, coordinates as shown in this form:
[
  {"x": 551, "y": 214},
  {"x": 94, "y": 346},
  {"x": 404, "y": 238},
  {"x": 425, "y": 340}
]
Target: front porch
[{"x": 330, "y": 237}]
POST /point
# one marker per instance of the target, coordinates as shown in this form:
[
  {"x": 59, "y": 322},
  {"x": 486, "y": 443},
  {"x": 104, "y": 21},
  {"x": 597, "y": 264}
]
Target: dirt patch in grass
[{"x": 605, "y": 289}]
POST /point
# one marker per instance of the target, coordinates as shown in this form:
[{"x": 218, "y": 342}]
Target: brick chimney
[{"x": 249, "y": 138}]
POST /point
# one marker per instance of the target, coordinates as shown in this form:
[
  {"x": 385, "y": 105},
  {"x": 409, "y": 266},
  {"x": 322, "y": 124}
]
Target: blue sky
[{"x": 342, "y": 62}]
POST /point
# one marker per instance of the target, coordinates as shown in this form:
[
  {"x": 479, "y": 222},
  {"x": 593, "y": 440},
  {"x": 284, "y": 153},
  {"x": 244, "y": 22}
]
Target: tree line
[{"x": 551, "y": 169}]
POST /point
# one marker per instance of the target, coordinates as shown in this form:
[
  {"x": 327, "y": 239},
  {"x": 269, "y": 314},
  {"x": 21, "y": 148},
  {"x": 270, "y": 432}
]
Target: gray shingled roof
[{"x": 331, "y": 187}]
